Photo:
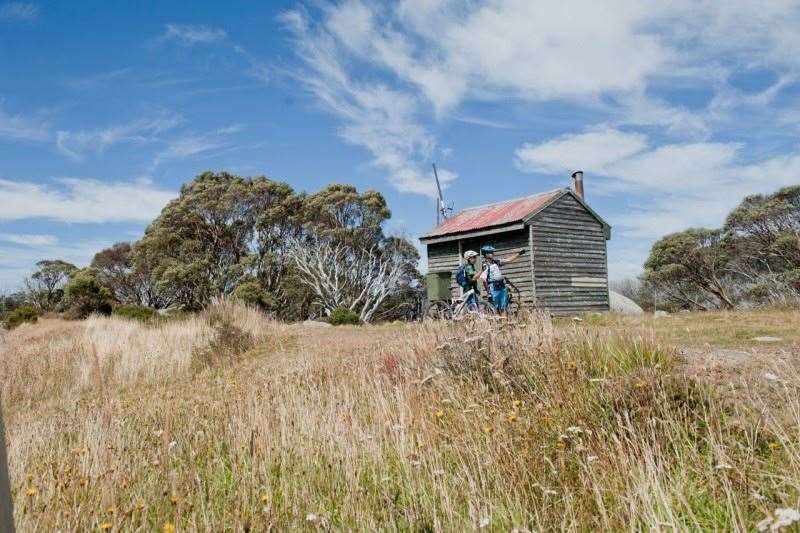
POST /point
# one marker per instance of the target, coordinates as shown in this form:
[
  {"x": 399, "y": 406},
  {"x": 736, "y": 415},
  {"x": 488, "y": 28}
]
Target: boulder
[{"x": 623, "y": 304}]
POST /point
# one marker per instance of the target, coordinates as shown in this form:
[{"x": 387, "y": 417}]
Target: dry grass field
[{"x": 228, "y": 421}]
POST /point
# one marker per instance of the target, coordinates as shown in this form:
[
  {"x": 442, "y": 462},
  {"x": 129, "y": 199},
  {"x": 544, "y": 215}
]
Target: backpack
[{"x": 461, "y": 276}]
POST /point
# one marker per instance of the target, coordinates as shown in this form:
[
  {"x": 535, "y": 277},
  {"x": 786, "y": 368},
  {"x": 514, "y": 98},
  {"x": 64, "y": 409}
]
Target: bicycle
[{"x": 460, "y": 308}]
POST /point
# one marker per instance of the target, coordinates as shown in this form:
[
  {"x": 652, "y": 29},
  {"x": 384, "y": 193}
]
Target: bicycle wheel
[
  {"x": 439, "y": 310},
  {"x": 486, "y": 309},
  {"x": 514, "y": 306}
]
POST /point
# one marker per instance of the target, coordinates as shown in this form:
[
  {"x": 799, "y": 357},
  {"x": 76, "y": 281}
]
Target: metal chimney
[{"x": 578, "y": 177}]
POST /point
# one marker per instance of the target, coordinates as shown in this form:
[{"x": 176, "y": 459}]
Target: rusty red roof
[{"x": 497, "y": 214}]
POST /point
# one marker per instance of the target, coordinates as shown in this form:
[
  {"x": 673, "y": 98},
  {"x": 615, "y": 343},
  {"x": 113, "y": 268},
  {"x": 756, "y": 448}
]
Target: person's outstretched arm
[{"x": 516, "y": 256}]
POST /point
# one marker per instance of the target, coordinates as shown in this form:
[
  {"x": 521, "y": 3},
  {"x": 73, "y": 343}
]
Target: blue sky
[{"x": 674, "y": 112}]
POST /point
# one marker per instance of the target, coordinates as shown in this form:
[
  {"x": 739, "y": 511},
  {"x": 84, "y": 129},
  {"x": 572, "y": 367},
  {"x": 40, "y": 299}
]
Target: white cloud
[
  {"x": 381, "y": 119},
  {"x": 28, "y": 239},
  {"x": 196, "y": 144},
  {"x": 24, "y": 11},
  {"x": 592, "y": 150},
  {"x": 76, "y": 144},
  {"x": 188, "y": 35},
  {"x": 18, "y": 262},
  {"x": 95, "y": 81},
  {"x": 666, "y": 188},
  {"x": 82, "y": 201},
  {"x": 517, "y": 48},
  {"x": 20, "y": 128}
]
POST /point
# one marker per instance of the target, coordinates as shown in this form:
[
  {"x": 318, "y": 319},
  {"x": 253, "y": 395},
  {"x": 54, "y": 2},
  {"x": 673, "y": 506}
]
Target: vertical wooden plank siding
[{"x": 570, "y": 259}]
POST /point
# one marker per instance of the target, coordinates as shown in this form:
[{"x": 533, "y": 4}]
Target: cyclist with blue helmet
[{"x": 493, "y": 276}]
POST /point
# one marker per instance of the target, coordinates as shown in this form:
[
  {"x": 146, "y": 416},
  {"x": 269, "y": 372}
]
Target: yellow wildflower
[
  {"x": 439, "y": 413},
  {"x": 512, "y": 417},
  {"x": 31, "y": 492},
  {"x": 105, "y": 526},
  {"x": 168, "y": 528},
  {"x": 264, "y": 498},
  {"x": 561, "y": 445},
  {"x": 488, "y": 429},
  {"x": 174, "y": 499},
  {"x": 516, "y": 403}
]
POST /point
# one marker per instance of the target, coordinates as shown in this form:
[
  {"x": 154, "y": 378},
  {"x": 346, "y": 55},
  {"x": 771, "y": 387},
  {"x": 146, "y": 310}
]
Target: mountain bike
[{"x": 460, "y": 307}]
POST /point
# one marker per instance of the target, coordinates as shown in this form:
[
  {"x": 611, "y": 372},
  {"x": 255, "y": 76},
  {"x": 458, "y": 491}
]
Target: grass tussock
[{"x": 435, "y": 426}]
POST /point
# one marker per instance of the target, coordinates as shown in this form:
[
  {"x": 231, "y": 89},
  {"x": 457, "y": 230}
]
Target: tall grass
[{"x": 440, "y": 426}]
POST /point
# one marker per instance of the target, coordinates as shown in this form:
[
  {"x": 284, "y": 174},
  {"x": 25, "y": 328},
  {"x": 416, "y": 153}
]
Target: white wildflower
[
  {"x": 782, "y": 518},
  {"x": 575, "y": 429},
  {"x": 485, "y": 521},
  {"x": 312, "y": 517},
  {"x": 770, "y": 376}
]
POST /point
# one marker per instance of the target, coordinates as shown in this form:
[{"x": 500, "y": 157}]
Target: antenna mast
[{"x": 443, "y": 209}]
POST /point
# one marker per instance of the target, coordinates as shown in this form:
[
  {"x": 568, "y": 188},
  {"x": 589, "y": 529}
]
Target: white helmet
[{"x": 470, "y": 253}]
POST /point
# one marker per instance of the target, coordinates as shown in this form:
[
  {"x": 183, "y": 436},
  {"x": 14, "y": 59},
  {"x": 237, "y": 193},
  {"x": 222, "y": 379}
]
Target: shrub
[
  {"x": 85, "y": 296},
  {"x": 24, "y": 313},
  {"x": 253, "y": 294},
  {"x": 135, "y": 312},
  {"x": 342, "y": 315}
]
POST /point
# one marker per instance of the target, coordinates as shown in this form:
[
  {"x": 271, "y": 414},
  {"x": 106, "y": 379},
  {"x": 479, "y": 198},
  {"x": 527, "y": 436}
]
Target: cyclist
[
  {"x": 493, "y": 277},
  {"x": 467, "y": 278}
]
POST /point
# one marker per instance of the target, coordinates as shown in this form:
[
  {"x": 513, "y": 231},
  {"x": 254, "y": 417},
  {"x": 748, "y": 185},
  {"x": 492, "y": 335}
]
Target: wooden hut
[{"x": 566, "y": 267}]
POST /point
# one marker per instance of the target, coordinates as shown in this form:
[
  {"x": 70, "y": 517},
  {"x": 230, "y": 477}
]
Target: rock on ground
[{"x": 623, "y": 304}]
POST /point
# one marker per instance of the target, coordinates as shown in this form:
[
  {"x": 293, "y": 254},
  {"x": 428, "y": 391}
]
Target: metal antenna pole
[{"x": 442, "y": 208}]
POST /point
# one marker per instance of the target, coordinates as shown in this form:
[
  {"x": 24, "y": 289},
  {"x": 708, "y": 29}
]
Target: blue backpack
[{"x": 461, "y": 276}]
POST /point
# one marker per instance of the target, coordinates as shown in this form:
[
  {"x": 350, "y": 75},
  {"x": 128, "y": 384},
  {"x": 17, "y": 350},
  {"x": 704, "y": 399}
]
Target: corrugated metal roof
[{"x": 487, "y": 216}]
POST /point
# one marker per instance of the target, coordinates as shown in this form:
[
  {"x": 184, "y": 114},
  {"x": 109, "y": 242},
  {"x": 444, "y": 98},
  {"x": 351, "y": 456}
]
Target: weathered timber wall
[{"x": 570, "y": 260}]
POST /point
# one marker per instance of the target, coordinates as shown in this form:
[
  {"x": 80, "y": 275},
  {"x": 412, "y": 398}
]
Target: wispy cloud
[
  {"x": 28, "y": 239},
  {"x": 96, "y": 81},
  {"x": 75, "y": 144},
  {"x": 82, "y": 200},
  {"x": 257, "y": 69},
  {"x": 196, "y": 144},
  {"x": 188, "y": 35},
  {"x": 23, "y": 128},
  {"x": 23, "y": 11},
  {"x": 381, "y": 119}
]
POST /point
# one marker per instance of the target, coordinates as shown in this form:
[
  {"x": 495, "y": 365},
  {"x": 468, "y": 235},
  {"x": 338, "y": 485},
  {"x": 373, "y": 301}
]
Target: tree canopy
[
  {"x": 754, "y": 258},
  {"x": 228, "y": 235}
]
